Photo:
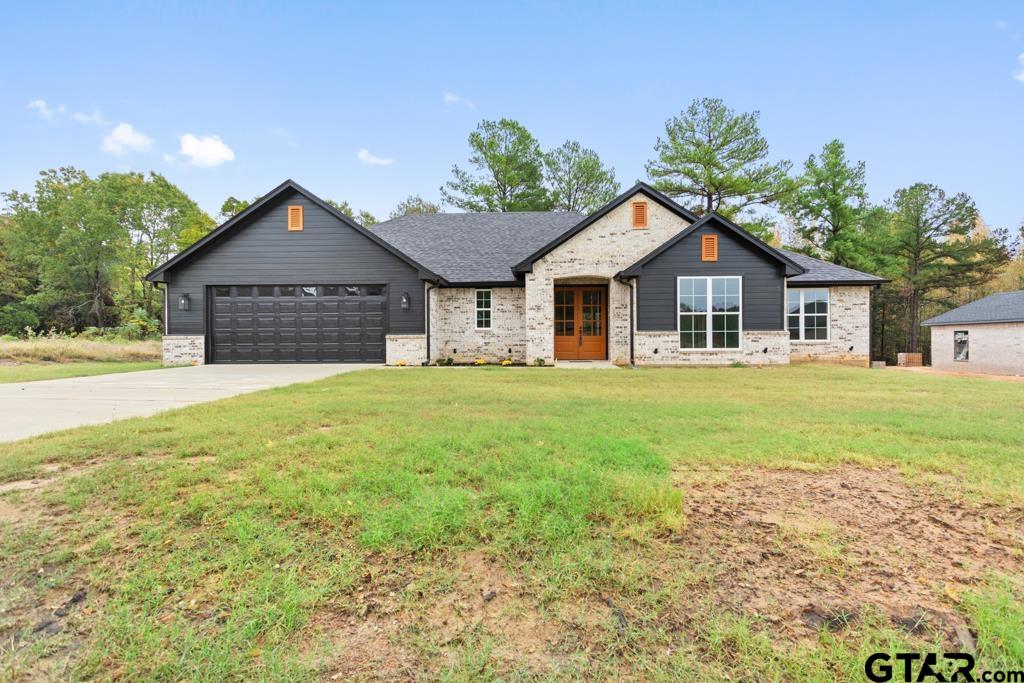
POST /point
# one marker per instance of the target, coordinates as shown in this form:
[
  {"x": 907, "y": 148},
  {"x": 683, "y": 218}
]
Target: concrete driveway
[{"x": 30, "y": 408}]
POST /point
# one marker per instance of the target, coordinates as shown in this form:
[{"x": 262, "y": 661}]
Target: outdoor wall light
[
  {"x": 184, "y": 303},
  {"x": 405, "y": 300}
]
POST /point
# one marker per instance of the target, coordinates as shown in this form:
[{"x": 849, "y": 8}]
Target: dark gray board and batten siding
[
  {"x": 263, "y": 252},
  {"x": 764, "y": 281}
]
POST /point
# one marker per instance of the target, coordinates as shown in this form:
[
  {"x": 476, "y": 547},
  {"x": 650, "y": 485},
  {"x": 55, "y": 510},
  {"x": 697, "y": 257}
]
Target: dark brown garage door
[{"x": 298, "y": 323}]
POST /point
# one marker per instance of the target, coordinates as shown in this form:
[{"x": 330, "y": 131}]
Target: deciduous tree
[
  {"x": 577, "y": 181},
  {"x": 414, "y": 204},
  {"x": 509, "y": 171}
]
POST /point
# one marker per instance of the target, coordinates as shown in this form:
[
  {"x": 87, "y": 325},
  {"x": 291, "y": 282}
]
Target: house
[
  {"x": 643, "y": 280},
  {"x": 986, "y": 335}
]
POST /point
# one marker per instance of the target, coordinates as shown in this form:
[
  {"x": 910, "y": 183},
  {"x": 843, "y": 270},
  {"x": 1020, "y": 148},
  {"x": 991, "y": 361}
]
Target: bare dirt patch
[
  {"x": 396, "y": 626},
  {"x": 806, "y": 550}
]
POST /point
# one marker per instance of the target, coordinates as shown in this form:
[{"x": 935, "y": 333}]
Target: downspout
[
  {"x": 632, "y": 323},
  {"x": 430, "y": 286}
]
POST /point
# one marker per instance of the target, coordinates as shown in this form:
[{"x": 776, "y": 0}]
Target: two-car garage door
[{"x": 298, "y": 323}]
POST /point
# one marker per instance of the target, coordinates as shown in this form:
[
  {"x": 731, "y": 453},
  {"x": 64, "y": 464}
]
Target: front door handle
[{"x": 581, "y": 336}]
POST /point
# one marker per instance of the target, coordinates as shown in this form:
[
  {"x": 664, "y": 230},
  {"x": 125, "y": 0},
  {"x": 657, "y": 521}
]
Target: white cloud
[
  {"x": 452, "y": 98},
  {"x": 124, "y": 138},
  {"x": 44, "y": 109},
  {"x": 364, "y": 156},
  {"x": 1019, "y": 73},
  {"x": 95, "y": 117},
  {"x": 206, "y": 151},
  {"x": 1001, "y": 25}
]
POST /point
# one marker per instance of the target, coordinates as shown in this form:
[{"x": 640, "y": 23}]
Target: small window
[
  {"x": 960, "y": 351},
  {"x": 309, "y": 290},
  {"x": 243, "y": 291},
  {"x": 351, "y": 290},
  {"x": 221, "y": 292},
  {"x": 807, "y": 314},
  {"x": 483, "y": 309},
  {"x": 266, "y": 291},
  {"x": 329, "y": 290},
  {"x": 709, "y": 247},
  {"x": 639, "y": 214},
  {"x": 287, "y": 290},
  {"x": 375, "y": 290},
  {"x": 294, "y": 218}
]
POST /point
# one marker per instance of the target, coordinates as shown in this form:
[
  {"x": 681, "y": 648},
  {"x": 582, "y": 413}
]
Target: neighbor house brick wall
[
  {"x": 849, "y": 326},
  {"x": 593, "y": 256},
  {"x": 662, "y": 348},
  {"x": 410, "y": 348},
  {"x": 453, "y": 332},
  {"x": 181, "y": 349},
  {"x": 993, "y": 348}
]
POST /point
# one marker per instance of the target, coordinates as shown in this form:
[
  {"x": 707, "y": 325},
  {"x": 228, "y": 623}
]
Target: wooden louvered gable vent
[
  {"x": 294, "y": 218},
  {"x": 709, "y": 247},
  {"x": 639, "y": 214}
]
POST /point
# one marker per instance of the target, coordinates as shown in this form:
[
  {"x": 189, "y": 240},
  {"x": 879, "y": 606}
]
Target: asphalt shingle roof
[
  {"x": 483, "y": 247},
  {"x": 1004, "y": 307},
  {"x": 474, "y": 247},
  {"x": 823, "y": 271}
]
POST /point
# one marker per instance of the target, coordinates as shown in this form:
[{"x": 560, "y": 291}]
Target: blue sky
[{"x": 231, "y": 99}]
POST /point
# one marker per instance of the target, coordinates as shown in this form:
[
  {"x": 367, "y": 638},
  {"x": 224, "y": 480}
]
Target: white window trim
[
  {"x": 967, "y": 334},
  {"x": 709, "y": 278},
  {"x": 828, "y": 315},
  {"x": 477, "y": 309}
]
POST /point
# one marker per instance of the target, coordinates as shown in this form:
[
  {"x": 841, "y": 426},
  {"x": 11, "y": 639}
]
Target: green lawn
[
  {"x": 31, "y": 372},
  {"x": 484, "y": 523}
]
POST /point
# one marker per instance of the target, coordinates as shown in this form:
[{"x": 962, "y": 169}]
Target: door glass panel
[
  {"x": 565, "y": 313},
  {"x": 221, "y": 291},
  {"x": 351, "y": 290},
  {"x": 266, "y": 291},
  {"x": 287, "y": 290},
  {"x": 375, "y": 290},
  {"x": 591, "y": 313},
  {"x": 329, "y": 290},
  {"x": 243, "y": 291},
  {"x": 309, "y": 291}
]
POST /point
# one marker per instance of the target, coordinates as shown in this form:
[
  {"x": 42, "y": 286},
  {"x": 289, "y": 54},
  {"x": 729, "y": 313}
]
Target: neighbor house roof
[
  {"x": 475, "y": 248},
  {"x": 818, "y": 272},
  {"x": 157, "y": 274},
  {"x": 722, "y": 223},
  {"x": 1004, "y": 307}
]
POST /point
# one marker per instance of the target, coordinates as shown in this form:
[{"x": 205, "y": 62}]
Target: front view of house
[{"x": 642, "y": 281}]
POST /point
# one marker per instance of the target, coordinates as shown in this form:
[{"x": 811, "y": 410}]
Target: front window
[
  {"x": 709, "y": 312},
  {"x": 483, "y": 309},
  {"x": 960, "y": 346},
  {"x": 807, "y": 314}
]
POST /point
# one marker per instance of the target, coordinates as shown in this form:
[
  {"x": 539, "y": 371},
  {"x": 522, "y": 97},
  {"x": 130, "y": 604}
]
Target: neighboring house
[
  {"x": 643, "y": 280},
  {"x": 986, "y": 335}
]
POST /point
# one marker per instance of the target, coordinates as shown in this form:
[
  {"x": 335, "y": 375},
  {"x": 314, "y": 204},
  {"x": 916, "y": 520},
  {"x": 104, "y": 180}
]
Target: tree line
[{"x": 73, "y": 252}]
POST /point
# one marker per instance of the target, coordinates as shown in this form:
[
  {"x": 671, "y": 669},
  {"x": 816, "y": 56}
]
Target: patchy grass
[
  {"x": 475, "y": 524},
  {"x": 58, "y": 349},
  {"x": 31, "y": 372}
]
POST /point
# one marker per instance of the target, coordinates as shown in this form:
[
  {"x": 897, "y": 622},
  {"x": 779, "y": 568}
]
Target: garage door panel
[{"x": 297, "y": 323}]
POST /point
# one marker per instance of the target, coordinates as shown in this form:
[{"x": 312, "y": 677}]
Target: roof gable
[
  {"x": 526, "y": 265},
  {"x": 715, "y": 220},
  {"x": 240, "y": 219},
  {"x": 1002, "y": 307}
]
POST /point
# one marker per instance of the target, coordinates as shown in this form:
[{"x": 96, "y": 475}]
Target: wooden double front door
[{"x": 581, "y": 323}]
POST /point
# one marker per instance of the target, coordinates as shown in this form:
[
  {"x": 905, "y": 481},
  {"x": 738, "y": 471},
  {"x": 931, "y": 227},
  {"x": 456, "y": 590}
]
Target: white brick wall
[
  {"x": 453, "y": 331},
  {"x": 662, "y": 348},
  {"x": 595, "y": 255},
  {"x": 993, "y": 348},
  {"x": 849, "y": 326},
  {"x": 411, "y": 348},
  {"x": 184, "y": 349}
]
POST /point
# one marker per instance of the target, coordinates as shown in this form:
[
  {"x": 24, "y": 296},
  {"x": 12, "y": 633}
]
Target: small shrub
[
  {"x": 448, "y": 360},
  {"x": 737, "y": 364},
  {"x": 539, "y": 362},
  {"x": 15, "y": 318},
  {"x": 479, "y": 361},
  {"x": 506, "y": 362},
  {"x": 401, "y": 363}
]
